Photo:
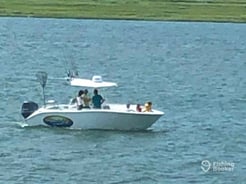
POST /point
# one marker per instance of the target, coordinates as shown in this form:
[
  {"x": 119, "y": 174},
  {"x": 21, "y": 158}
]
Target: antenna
[{"x": 42, "y": 78}]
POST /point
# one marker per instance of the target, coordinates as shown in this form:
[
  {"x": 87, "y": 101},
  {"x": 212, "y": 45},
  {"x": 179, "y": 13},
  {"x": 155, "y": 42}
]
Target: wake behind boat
[{"x": 109, "y": 117}]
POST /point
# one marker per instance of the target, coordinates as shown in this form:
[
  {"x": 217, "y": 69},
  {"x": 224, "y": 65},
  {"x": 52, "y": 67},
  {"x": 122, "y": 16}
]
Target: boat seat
[
  {"x": 106, "y": 107},
  {"x": 73, "y": 101}
]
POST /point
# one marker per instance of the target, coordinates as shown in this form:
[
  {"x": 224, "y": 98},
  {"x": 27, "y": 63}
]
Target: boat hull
[{"x": 106, "y": 119}]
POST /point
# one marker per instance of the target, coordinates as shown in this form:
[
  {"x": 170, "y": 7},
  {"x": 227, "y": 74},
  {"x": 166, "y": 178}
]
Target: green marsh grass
[{"x": 185, "y": 10}]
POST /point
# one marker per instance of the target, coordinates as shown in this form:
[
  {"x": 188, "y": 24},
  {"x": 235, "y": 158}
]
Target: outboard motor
[{"x": 28, "y": 108}]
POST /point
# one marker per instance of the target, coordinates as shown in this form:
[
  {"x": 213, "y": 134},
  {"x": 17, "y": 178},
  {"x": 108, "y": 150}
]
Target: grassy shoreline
[{"x": 160, "y": 10}]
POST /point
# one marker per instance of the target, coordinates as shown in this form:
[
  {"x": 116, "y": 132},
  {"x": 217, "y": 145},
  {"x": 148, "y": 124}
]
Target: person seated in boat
[
  {"x": 148, "y": 107},
  {"x": 79, "y": 100},
  {"x": 138, "y": 108},
  {"x": 97, "y": 100},
  {"x": 86, "y": 99}
]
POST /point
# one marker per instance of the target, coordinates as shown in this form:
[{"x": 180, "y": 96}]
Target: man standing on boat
[
  {"x": 86, "y": 99},
  {"x": 79, "y": 100},
  {"x": 97, "y": 100}
]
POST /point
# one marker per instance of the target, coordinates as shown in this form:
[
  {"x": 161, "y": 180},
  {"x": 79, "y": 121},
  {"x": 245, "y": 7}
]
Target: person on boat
[
  {"x": 97, "y": 100},
  {"x": 138, "y": 108},
  {"x": 148, "y": 107},
  {"x": 86, "y": 99},
  {"x": 80, "y": 100}
]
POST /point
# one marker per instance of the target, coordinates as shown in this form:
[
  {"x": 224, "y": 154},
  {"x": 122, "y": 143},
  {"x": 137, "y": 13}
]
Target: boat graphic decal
[{"x": 58, "y": 121}]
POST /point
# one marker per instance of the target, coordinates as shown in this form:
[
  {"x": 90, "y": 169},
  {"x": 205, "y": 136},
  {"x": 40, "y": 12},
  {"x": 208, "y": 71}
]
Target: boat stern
[{"x": 28, "y": 107}]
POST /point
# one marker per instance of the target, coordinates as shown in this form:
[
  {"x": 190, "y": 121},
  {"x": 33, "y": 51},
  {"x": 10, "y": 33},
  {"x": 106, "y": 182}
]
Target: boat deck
[{"x": 107, "y": 107}]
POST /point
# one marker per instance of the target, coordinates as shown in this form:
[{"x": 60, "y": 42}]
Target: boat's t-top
[{"x": 95, "y": 82}]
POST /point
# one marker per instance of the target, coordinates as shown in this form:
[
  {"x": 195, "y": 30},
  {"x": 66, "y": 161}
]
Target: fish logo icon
[{"x": 205, "y": 165}]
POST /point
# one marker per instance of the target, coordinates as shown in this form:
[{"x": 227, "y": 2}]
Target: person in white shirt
[{"x": 80, "y": 100}]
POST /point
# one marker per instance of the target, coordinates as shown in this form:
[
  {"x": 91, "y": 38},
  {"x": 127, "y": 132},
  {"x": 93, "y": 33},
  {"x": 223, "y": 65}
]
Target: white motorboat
[{"x": 109, "y": 117}]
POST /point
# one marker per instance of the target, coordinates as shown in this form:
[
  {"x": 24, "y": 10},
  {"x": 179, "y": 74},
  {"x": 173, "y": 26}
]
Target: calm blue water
[{"x": 194, "y": 72}]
